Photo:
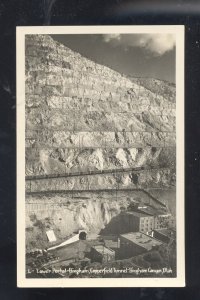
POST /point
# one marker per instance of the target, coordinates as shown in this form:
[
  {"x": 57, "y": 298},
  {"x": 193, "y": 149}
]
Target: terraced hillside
[{"x": 84, "y": 116}]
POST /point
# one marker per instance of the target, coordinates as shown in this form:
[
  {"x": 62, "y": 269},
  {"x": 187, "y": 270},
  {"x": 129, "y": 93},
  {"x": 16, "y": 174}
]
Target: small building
[
  {"x": 162, "y": 218},
  {"x": 165, "y": 235},
  {"x": 102, "y": 254},
  {"x": 51, "y": 236},
  {"x": 111, "y": 241},
  {"x": 76, "y": 250},
  {"x": 172, "y": 222},
  {"x": 136, "y": 243},
  {"x": 134, "y": 221}
]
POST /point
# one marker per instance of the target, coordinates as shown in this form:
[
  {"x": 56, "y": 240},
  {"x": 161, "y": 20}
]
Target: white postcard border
[{"x": 22, "y": 281}]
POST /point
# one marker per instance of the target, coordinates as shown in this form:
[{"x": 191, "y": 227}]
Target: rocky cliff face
[
  {"x": 85, "y": 116},
  {"x": 82, "y": 116},
  {"x": 66, "y": 214}
]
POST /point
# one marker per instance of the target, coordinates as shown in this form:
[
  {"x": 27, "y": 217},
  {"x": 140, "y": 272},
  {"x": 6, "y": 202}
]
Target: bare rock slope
[{"x": 84, "y": 116}]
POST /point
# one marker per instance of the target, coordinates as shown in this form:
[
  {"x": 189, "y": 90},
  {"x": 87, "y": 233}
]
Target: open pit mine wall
[{"x": 84, "y": 116}]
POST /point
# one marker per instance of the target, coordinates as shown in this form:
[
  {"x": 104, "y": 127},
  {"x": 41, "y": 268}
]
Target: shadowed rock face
[{"x": 85, "y": 116}]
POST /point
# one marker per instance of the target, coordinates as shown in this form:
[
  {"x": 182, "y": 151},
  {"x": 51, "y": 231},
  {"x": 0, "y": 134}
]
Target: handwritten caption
[{"x": 103, "y": 271}]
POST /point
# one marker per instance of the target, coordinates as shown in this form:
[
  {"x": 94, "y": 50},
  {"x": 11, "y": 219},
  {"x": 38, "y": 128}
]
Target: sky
[{"x": 137, "y": 55}]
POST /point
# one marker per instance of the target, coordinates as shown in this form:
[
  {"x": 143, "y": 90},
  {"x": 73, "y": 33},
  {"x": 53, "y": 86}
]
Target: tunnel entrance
[{"x": 134, "y": 178}]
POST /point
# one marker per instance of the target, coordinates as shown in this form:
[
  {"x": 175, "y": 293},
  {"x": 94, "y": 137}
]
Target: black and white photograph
[{"x": 100, "y": 139}]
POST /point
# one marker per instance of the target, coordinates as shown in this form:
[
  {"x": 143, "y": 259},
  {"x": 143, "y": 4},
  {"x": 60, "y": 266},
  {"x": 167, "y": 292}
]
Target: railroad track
[
  {"x": 100, "y": 191},
  {"x": 96, "y": 172}
]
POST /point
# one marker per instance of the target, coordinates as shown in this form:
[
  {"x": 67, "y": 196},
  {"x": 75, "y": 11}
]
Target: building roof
[
  {"x": 72, "y": 250},
  {"x": 112, "y": 237},
  {"x": 111, "y": 241},
  {"x": 141, "y": 240},
  {"x": 153, "y": 211},
  {"x": 139, "y": 214},
  {"x": 103, "y": 250},
  {"x": 166, "y": 231},
  {"x": 111, "y": 244}
]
